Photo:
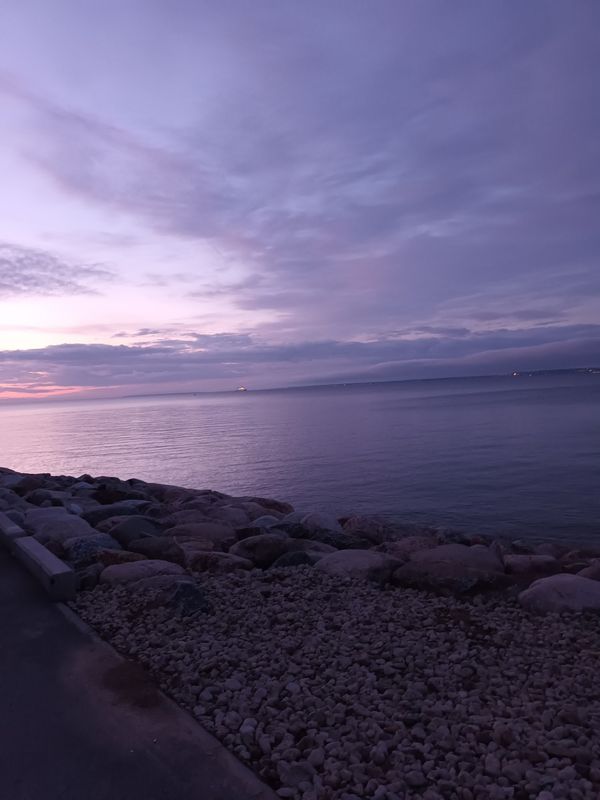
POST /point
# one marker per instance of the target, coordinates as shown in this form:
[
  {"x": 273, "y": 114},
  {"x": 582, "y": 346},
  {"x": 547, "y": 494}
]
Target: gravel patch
[{"x": 335, "y": 689}]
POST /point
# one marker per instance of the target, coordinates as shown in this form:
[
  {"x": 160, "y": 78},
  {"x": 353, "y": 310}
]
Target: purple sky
[{"x": 198, "y": 195}]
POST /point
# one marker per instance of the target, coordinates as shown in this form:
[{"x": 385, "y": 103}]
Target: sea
[{"x": 510, "y": 456}]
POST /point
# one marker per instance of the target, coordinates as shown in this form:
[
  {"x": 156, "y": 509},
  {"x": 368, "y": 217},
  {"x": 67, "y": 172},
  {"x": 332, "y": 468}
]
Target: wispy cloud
[{"x": 28, "y": 271}]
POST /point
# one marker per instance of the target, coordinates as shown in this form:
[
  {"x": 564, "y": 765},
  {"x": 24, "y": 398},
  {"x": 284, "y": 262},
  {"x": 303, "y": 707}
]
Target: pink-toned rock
[
  {"x": 361, "y": 564},
  {"x": 137, "y": 570},
  {"x": 562, "y": 593},
  {"x": 209, "y": 561},
  {"x": 522, "y": 564}
]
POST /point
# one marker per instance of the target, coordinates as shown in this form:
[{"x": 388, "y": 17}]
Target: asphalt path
[{"x": 78, "y": 722}]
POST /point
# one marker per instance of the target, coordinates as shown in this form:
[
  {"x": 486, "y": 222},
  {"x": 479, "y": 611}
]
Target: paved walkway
[{"x": 77, "y": 721}]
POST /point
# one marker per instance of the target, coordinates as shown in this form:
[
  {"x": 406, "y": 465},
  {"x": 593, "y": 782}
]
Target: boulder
[
  {"x": 525, "y": 564},
  {"x": 210, "y": 561},
  {"x": 212, "y": 535},
  {"x": 88, "y": 577},
  {"x": 82, "y": 550},
  {"x": 298, "y": 558},
  {"x": 476, "y": 556},
  {"x": 187, "y": 516},
  {"x": 124, "y": 508},
  {"x": 158, "y": 547},
  {"x": 264, "y": 522},
  {"x": 262, "y": 550},
  {"x": 160, "y": 583},
  {"x": 562, "y": 593},
  {"x": 402, "y": 549},
  {"x": 592, "y": 571},
  {"x": 319, "y": 521},
  {"x": 138, "y": 570},
  {"x": 375, "y": 529},
  {"x": 56, "y": 525},
  {"x": 364, "y": 564},
  {"x": 581, "y": 554},
  {"x": 109, "y": 557},
  {"x": 229, "y": 515},
  {"x": 129, "y": 529},
  {"x": 280, "y": 508}
]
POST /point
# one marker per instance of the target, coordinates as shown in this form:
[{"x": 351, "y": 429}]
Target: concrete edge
[
  {"x": 9, "y": 531},
  {"x": 259, "y": 790},
  {"x": 56, "y": 577}
]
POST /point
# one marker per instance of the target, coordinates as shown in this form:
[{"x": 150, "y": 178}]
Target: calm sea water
[{"x": 518, "y": 456}]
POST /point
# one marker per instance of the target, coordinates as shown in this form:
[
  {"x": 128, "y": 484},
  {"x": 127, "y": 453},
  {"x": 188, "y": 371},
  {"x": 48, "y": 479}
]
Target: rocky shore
[{"x": 343, "y": 659}]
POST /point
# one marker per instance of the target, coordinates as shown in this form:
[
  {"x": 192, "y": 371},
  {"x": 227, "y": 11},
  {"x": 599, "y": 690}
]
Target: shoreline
[{"x": 352, "y": 659}]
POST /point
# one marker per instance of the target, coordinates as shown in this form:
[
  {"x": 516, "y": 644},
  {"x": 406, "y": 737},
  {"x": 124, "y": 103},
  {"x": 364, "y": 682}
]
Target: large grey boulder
[
  {"x": 562, "y": 593},
  {"x": 56, "y": 525},
  {"x": 139, "y": 570},
  {"x": 362, "y": 564}
]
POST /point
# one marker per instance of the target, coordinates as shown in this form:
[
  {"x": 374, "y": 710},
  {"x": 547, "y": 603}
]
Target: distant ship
[{"x": 242, "y": 389}]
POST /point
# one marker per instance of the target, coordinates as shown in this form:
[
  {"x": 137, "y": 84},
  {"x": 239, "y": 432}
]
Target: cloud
[
  {"x": 28, "y": 271},
  {"x": 223, "y": 359}
]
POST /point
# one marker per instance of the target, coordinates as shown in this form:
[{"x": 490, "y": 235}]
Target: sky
[{"x": 200, "y": 195}]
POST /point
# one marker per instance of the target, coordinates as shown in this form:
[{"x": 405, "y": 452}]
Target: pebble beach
[{"x": 343, "y": 659}]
